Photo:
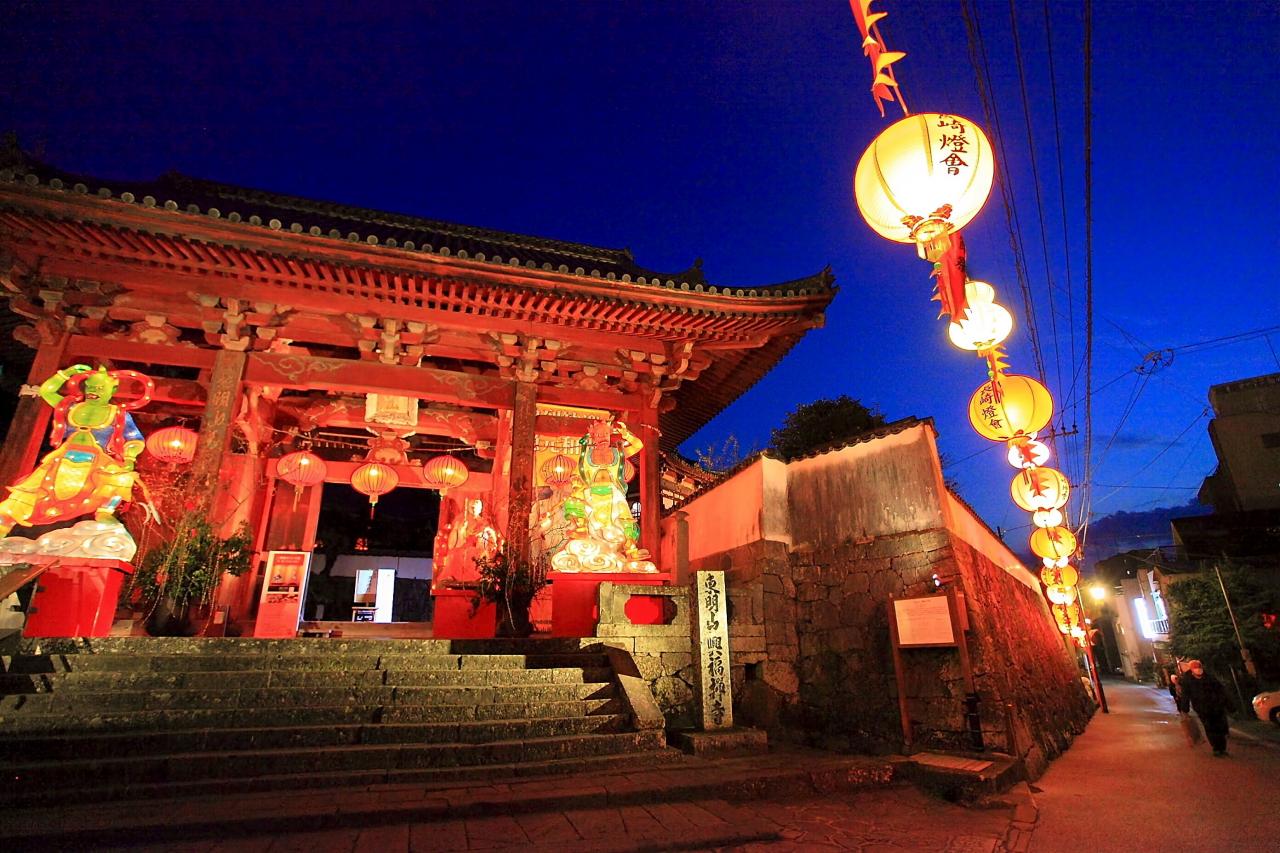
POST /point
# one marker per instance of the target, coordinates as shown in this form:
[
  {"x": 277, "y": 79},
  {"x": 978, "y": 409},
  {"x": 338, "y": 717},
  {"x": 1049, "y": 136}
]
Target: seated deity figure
[
  {"x": 91, "y": 470},
  {"x": 603, "y": 535},
  {"x": 468, "y": 537}
]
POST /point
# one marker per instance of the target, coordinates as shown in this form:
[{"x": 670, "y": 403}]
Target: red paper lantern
[
  {"x": 559, "y": 470},
  {"x": 374, "y": 479},
  {"x": 444, "y": 473},
  {"x": 301, "y": 469},
  {"x": 175, "y": 445},
  {"x": 628, "y": 470}
]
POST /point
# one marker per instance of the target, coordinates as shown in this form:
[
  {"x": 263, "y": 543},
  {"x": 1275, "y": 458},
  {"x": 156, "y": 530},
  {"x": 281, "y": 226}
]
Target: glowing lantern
[
  {"x": 1056, "y": 562},
  {"x": 1056, "y": 542},
  {"x": 444, "y": 473},
  {"x": 1066, "y": 575},
  {"x": 301, "y": 469},
  {"x": 1040, "y": 488},
  {"x": 984, "y": 324},
  {"x": 175, "y": 445},
  {"x": 1046, "y": 517},
  {"x": 628, "y": 470},
  {"x": 1067, "y": 616},
  {"x": 1010, "y": 406},
  {"x": 1060, "y": 593},
  {"x": 374, "y": 479},
  {"x": 1026, "y": 452},
  {"x": 559, "y": 470},
  {"x": 924, "y": 176}
]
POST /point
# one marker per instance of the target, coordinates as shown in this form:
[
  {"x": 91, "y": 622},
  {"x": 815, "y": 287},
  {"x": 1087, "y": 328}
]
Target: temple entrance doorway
[{"x": 373, "y": 569}]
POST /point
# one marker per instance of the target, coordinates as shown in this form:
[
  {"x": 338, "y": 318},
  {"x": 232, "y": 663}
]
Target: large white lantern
[
  {"x": 923, "y": 177},
  {"x": 985, "y": 323}
]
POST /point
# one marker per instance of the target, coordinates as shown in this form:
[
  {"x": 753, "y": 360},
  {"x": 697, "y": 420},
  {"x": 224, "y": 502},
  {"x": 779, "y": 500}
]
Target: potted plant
[
  {"x": 511, "y": 584},
  {"x": 185, "y": 569}
]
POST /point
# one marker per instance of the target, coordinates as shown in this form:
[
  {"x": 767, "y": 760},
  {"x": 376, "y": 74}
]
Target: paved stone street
[
  {"x": 893, "y": 819},
  {"x": 1131, "y": 783}
]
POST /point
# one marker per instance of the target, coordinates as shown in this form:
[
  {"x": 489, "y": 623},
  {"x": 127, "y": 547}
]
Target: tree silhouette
[{"x": 811, "y": 426}]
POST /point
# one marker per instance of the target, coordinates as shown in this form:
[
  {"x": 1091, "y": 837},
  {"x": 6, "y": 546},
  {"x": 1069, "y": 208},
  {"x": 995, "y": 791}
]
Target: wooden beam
[
  {"x": 31, "y": 420},
  {"x": 167, "y": 354},
  {"x": 361, "y": 377}
]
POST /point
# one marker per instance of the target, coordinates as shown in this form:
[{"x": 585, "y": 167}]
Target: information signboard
[{"x": 284, "y": 588}]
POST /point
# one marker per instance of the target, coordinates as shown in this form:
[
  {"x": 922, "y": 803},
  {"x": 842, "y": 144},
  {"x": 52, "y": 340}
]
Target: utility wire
[
  {"x": 1154, "y": 459},
  {"x": 1035, "y": 180},
  {"x": 982, "y": 76},
  {"x": 1062, "y": 198},
  {"x": 1088, "y": 267}
]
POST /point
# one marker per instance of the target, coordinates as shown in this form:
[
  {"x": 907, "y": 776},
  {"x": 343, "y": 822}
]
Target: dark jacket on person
[{"x": 1207, "y": 696}]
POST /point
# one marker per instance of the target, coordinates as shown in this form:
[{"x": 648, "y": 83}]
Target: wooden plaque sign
[
  {"x": 924, "y": 622},
  {"x": 711, "y": 633}
]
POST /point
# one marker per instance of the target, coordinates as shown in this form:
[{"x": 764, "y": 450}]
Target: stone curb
[{"x": 1022, "y": 824}]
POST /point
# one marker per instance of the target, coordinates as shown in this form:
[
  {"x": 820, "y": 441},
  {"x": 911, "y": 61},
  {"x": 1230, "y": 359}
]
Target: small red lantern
[
  {"x": 558, "y": 470},
  {"x": 301, "y": 469},
  {"x": 374, "y": 479},
  {"x": 628, "y": 470},
  {"x": 175, "y": 445},
  {"x": 444, "y": 473}
]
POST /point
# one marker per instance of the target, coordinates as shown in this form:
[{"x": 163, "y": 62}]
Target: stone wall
[
  {"x": 664, "y": 653},
  {"x": 868, "y": 522}
]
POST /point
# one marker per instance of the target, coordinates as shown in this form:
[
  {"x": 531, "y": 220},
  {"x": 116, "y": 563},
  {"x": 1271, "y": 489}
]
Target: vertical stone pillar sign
[{"x": 711, "y": 634}]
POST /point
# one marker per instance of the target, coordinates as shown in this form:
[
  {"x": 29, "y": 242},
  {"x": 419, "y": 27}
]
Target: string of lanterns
[{"x": 919, "y": 182}]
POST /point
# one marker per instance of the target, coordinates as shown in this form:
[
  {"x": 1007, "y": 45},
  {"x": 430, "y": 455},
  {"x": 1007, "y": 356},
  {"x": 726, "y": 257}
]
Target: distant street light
[{"x": 1098, "y": 592}]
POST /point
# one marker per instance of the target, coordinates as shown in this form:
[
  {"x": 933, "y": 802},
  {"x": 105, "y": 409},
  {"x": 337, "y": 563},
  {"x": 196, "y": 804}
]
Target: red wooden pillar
[
  {"x": 520, "y": 501},
  {"x": 501, "y": 488},
  {"x": 215, "y": 427},
  {"x": 650, "y": 481},
  {"x": 30, "y": 422}
]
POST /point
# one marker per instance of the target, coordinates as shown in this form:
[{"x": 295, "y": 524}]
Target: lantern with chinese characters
[
  {"x": 924, "y": 176},
  {"x": 175, "y": 445},
  {"x": 1040, "y": 488},
  {"x": 984, "y": 324},
  {"x": 559, "y": 470},
  {"x": 1026, "y": 452},
  {"x": 1010, "y": 406},
  {"x": 374, "y": 479},
  {"x": 444, "y": 473},
  {"x": 1056, "y": 542},
  {"x": 1066, "y": 575},
  {"x": 1067, "y": 616}
]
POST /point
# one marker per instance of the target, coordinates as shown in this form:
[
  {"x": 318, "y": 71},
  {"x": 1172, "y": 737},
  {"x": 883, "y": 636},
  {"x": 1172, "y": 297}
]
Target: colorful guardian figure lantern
[
  {"x": 923, "y": 177},
  {"x": 603, "y": 534},
  {"x": 90, "y": 471}
]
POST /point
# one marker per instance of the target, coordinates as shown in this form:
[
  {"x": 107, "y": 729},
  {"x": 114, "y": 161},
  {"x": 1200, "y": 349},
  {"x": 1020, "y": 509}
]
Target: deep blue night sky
[{"x": 729, "y": 131}]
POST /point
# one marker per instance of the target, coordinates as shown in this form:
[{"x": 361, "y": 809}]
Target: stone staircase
[{"x": 134, "y": 718}]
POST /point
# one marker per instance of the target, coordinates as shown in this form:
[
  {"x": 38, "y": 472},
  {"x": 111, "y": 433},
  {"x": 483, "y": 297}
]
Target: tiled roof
[{"x": 275, "y": 211}]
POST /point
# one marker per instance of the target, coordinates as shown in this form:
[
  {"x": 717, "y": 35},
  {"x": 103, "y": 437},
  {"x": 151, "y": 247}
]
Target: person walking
[
  {"x": 1190, "y": 727},
  {"x": 1209, "y": 699}
]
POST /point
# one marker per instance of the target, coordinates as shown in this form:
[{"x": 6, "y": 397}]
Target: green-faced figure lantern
[
  {"x": 90, "y": 469},
  {"x": 603, "y": 535}
]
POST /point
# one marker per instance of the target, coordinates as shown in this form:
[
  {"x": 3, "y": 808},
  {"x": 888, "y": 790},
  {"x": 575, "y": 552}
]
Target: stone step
[
  {"x": 214, "y": 646},
  {"x": 657, "y": 758},
  {"x": 33, "y": 664},
  {"x": 69, "y": 777},
  {"x": 104, "y": 701},
  {"x": 19, "y": 723},
  {"x": 102, "y": 680},
  {"x": 95, "y": 745}
]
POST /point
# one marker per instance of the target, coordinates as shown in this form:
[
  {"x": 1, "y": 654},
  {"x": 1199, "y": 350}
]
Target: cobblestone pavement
[{"x": 893, "y": 819}]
